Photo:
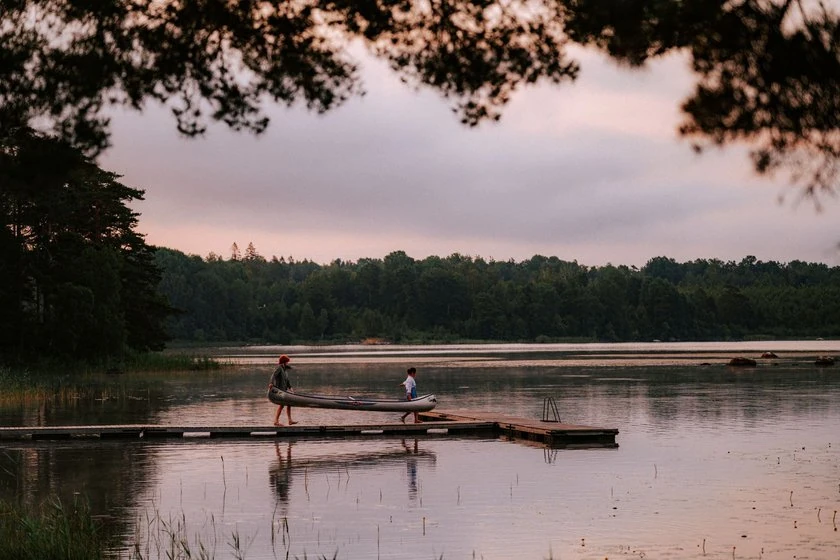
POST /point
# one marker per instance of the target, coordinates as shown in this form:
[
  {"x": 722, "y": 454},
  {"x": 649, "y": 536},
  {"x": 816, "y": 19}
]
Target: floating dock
[
  {"x": 463, "y": 423},
  {"x": 552, "y": 433}
]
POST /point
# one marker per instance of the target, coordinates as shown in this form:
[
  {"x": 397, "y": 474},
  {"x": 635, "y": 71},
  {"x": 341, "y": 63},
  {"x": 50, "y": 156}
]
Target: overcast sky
[{"x": 591, "y": 171}]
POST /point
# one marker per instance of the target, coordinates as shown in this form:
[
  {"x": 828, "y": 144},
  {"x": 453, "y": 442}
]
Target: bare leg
[
  {"x": 277, "y": 415},
  {"x": 289, "y": 415},
  {"x": 417, "y": 419},
  {"x": 404, "y": 416}
]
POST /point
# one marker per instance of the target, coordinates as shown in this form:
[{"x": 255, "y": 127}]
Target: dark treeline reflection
[
  {"x": 766, "y": 69},
  {"x": 104, "y": 476},
  {"x": 702, "y": 394},
  {"x": 464, "y": 298}
]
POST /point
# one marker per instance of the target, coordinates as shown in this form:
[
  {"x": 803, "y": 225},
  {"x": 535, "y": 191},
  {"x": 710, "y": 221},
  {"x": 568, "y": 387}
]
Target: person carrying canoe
[
  {"x": 280, "y": 380},
  {"x": 410, "y": 393}
]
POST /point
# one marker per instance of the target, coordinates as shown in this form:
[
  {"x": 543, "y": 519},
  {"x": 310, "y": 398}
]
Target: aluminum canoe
[{"x": 420, "y": 404}]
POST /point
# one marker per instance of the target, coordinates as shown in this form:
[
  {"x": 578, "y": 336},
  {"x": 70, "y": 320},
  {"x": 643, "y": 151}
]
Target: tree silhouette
[
  {"x": 77, "y": 278},
  {"x": 766, "y": 69}
]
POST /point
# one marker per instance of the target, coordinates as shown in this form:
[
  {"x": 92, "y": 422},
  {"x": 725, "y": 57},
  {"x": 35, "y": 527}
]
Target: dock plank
[
  {"x": 453, "y": 422},
  {"x": 174, "y": 431}
]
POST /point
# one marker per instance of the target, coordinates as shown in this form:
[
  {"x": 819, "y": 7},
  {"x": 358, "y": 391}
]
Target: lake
[{"x": 712, "y": 462}]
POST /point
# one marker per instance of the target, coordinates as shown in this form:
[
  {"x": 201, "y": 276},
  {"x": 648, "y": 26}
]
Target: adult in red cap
[{"x": 280, "y": 380}]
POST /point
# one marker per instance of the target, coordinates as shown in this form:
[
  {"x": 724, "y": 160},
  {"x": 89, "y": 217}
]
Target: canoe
[{"x": 420, "y": 404}]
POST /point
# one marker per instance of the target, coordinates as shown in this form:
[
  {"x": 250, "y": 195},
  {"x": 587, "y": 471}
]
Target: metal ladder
[{"x": 550, "y": 413}]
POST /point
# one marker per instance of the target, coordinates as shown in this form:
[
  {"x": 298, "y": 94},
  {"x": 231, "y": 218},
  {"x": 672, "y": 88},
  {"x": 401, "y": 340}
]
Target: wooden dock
[
  {"x": 553, "y": 434},
  {"x": 434, "y": 423}
]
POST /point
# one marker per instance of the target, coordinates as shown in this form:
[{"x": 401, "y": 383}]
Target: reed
[
  {"x": 18, "y": 386},
  {"x": 29, "y": 373},
  {"x": 52, "y": 532},
  {"x": 55, "y": 531},
  {"x": 157, "y": 361},
  {"x": 156, "y": 537},
  {"x": 22, "y": 388},
  {"x": 64, "y": 383}
]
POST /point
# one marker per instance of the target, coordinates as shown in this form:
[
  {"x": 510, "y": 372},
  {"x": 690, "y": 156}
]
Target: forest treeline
[
  {"x": 77, "y": 281},
  {"x": 401, "y": 299}
]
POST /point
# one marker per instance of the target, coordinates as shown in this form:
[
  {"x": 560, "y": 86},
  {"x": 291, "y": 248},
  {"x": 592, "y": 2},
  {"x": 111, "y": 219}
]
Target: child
[{"x": 410, "y": 393}]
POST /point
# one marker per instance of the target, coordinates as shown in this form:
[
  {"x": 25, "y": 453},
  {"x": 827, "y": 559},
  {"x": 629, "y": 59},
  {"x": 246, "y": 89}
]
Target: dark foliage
[
  {"x": 77, "y": 280},
  {"x": 766, "y": 69}
]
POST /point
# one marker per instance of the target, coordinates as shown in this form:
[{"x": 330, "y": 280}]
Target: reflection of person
[
  {"x": 411, "y": 468},
  {"x": 280, "y": 379},
  {"x": 410, "y": 393},
  {"x": 280, "y": 475}
]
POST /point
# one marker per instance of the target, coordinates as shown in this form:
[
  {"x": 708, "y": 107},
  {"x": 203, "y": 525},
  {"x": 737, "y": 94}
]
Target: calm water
[{"x": 713, "y": 462}]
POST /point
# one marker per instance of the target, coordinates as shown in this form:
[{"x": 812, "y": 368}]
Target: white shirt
[{"x": 410, "y": 386}]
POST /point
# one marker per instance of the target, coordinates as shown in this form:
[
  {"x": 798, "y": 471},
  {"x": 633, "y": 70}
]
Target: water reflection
[
  {"x": 280, "y": 475},
  {"x": 343, "y": 461},
  {"x": 348, "y": 455},
  {"x": 706, "y": 453},
  {"x": 411, "y": 469},
  {"x": 105, "y": 475}
]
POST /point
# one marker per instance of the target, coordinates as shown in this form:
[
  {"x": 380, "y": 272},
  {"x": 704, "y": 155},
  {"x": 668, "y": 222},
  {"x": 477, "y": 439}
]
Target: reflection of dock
[
  {"x": 456, "y": 423},
  {"x": 365, "y": 460}
]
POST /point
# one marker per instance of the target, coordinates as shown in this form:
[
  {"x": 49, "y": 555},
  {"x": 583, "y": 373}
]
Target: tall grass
[
  {"x": 55, "y": 531},
  {"x": 156, "y": 361},
  {"x": 156, "y": 537},
  {"x": 52, "y": 532},
  {"x": 64, "y": 383},
  {"x": 136, "y": 362},
  {"x": 21, "y": 386}
]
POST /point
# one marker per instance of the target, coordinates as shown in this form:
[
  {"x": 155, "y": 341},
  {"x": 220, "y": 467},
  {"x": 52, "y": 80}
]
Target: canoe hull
[{"x": 420, "y": 404}]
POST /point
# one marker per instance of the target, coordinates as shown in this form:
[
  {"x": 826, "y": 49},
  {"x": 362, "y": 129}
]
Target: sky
[{"x": 591, "y": 171}]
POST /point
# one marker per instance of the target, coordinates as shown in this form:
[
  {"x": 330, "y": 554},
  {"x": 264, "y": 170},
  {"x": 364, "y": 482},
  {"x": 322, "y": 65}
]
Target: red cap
[{"x": 284, "y": 359}]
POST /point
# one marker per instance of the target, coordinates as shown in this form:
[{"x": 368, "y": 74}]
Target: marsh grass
[
  {"x": 54, "y": 531},
  {"x": 23, "y": 388},
  {"x": 63, "y": 383},
  {"x": 133, "y": 362},
  {"x": 156, "y": 537},
  {"x": 157, "y": 361}
]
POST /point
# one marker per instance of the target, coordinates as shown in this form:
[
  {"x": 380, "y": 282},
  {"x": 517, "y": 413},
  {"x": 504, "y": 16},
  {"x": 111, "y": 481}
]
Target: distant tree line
[
  {"x": 401, "y": 299},
  {"x": 78, "y": 281}
]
